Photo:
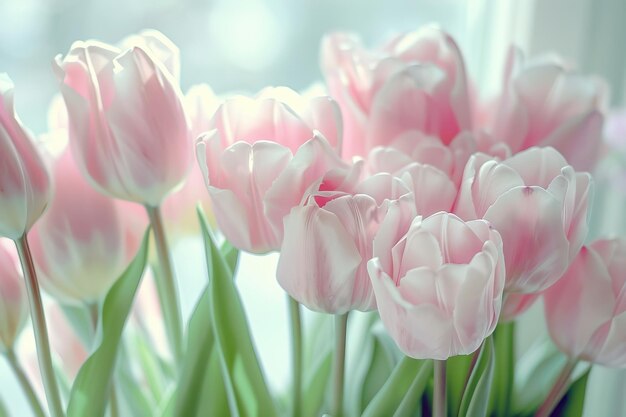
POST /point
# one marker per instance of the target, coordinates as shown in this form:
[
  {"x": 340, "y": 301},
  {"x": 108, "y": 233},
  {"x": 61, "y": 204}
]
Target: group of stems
[{"x": 168, "y": 295}]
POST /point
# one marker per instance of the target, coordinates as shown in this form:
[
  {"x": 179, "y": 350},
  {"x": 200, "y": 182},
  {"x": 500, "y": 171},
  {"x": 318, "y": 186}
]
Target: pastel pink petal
[
  {"x": 579, "y": 221},
  {"x": 252, "y": 169},
  {"x": 382, "y": 187},
  {"x": 421, "y": 249},
  {"x": 613, "y": 351},
  {"x": 386, "y": 246},
  {"x": 516, "y": 303},
  {"x": 420, "y": 332},
  {"x": 319, "y": 261},
  {"x": 433, "y": 190},
  {"x": 309, "y": 165},
  {"x": 537, "y": 166},
  {"x": 159, "y": 46},
  {"x": 536, "y": 249},
  {"x": 457, "y": 241},
  {"x": 579, "y": 140},
  {"x": 386, "y": 159},
  {"x": 582, "y": 296},
  {"x": 323, "y": 114},
  {"x": 405, "y": 103}
]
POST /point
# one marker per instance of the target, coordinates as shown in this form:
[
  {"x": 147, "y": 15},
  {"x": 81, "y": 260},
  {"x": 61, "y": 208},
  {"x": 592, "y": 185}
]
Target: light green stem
[
  {"x": 166, "y": 285},
  {"x": 40, "y": 330},
  {"x": 440, "y": 401},
  {"x": 341, "y": 327},
  {"x": 296, "y": 354},
  {"x": 25, "y": 384}
]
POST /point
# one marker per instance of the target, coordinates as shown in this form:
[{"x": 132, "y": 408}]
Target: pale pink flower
[
  {"x": 328, "y": 241},
  {"x": 24, "y": 179},
  {"x": 80, "y": 245},
  {"x": 416, "y": 82},
  {"x": 127, "y": 125},
  {"x": 13, "y": 301},
  {"x": 540, "y": 206},
  {"x": 261, "y": 157},
  {"x": 544, "y": 103},
  {"x": 586, "y": 309},
  {"x": 439, "y": 286}
]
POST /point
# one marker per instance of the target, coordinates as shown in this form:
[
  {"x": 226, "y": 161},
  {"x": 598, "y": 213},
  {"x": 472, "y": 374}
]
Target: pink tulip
[
  {"x": 328, "y": 241},
  {"x": 127, "y": 125},
  {"x": 24, "y": 180},
  {"x": 439, "y": 286},
  {"x": 586, "y": 309},
  {"x": 538, "y": 203},
  {"x": 414, "y": 146},
  {"x": 417, "y": 82},
  {"x": 80, "y": 244},
  {"x": 515, "y": 304},
  {"x": 543, "y": 103},
  {"x": 13, "y": 302},
  {"x": 261, "y": 158}
]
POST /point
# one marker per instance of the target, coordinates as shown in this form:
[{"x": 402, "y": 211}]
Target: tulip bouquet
[{"x": 396, "y": 189}]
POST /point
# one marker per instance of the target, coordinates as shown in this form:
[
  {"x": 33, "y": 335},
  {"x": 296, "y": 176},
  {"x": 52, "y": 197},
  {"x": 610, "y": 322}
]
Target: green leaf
[
  {"x": 92, "y": 387},
  {"x": 3, "y": 409},
  {"x": 475, "y": 402},
  {"x": 200, "y": 384},
  {"x": 457, "y": 374},
  {"x": 504, "y": 340},
  {"x": 231, "y": 256},
  {"x": 317, "y": 385},
  {"x": 535, "y": 373},
  {"x": 573, "y": 403},
  {"x": 411, "y": 403},
  {"x": 408, "y": 378},
  {"x": 379, "y": 368},
  {"x": 247, "y": 391}
]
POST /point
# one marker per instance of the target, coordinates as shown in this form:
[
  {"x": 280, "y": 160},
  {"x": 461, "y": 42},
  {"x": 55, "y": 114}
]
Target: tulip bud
[
  {"x": 586, "y": 308},
  {"x": 127, "y": 124},
  {"x": 24, "y": 180},
  {"x": 439, "y": 286},
  {"x": 13, "y": 302},
  {"x": 80, "y": 244},
  {"x": 328, "y": 241},
  {"x": 416, "y": 82},
  {"x": 544, "y": 103},
  {"x": 538, "y": 204},
  {"x": 261, "y": 157}
]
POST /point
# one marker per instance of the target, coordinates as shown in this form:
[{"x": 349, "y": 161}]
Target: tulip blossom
[
  {"x": 439, "y": 285},
  {"x": 13, "y": 302},
  {"x": 543, "y": 103},
  {"x": 328, "y": 241},
  {"x": 414, "y": 146},
  {"x": 538, "y": 203},
  {"x": 24, "y": 179},
  {"x": 80, "y": 244},
  {"x": 416, "y": 82},
  {"x": 261, "y": 157},
  {"x": 586, "y": 309},
  {"x": 127, "y": 125}
]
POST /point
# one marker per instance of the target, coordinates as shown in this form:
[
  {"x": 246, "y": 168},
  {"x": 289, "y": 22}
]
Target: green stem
[
  {"x": 296, "y": 348},
  {"x": 440, "y": 402},
  {"x": 504, "y": 338},
  {"x": 40, "y": 330},
  {"x": 166, "y": 285},
  {"x": 25, "y": 383},
  {"x": 341, "y": 326},
  {"x": 558, "y": 389}
]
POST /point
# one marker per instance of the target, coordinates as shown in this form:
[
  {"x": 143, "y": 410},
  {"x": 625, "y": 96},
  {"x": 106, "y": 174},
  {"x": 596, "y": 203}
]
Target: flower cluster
[{"x": 402, "y": 190}]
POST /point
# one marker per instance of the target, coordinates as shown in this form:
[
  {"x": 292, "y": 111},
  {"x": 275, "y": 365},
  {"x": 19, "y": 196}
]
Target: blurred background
[{"x": 244, "y": 45}]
